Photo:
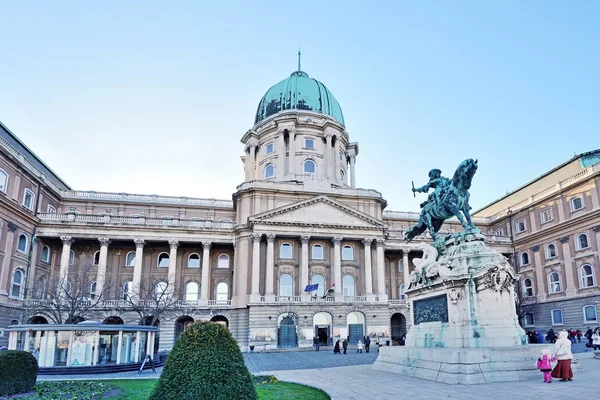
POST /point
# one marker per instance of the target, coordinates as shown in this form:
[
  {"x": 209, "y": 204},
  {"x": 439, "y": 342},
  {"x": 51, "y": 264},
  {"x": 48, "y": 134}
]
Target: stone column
[
  {"x": 368, "y": 270},
  {"x": 328, "y": 154},
  {"x": 304, "y": 268},
  {"x": 8, "y": 251},
  {"x": 381, "y": 271},
  {"x": 269, "y": 295},
  {"x": 532, "y": 224},
  {"x": 352, "y": 155},
  {"x": 406, "y": 270},
  {"x": 205, "y": 281},
  {"x": 561, "y": 209},
  {"x": 31, "y": 277},
  {"x": 337, "y": 268},
  {"x": 64, "y": 257},
  {"x": 255, "y": 294},
  {"x": 101, "y": 274},
  {"x": 251, "y": 159},
  {"x": 280, "y": 170},
  {"x": 172, "y": 265},
  {"x": 571, "y": 287},
  {"x": 596, "y": 230},
  {"x": 540, "y": 276},
  {"x": 292, "y": 152},
  {"x": 137, "y": 267},
  {"x": 336, "y": 158}
]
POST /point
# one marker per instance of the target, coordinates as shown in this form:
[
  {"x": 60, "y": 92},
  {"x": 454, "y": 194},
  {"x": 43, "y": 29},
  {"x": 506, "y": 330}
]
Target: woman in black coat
[{"x": 336, "y": 348}]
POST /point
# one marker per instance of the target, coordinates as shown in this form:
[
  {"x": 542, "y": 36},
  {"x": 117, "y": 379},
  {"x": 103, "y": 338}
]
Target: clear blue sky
[{"x": 153, "y": 97}]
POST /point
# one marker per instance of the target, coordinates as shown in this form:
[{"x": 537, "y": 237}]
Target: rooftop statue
[{"x": 450, "y": 198}]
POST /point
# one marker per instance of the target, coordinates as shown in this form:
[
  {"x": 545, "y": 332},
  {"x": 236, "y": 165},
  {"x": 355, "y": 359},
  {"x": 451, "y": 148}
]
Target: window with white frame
[
  {"x": 160, "y": 289},
  {"x": 45, "y": 254},
  {"x": 527, "y": 287},
  {"x": 51, "y": 209},
  {"x": 550, "y": 251},
  {"x": 22, "y": 243},
  {"x": 16, "y": 288},
  {"x": 557, "y": 317},
  {"x": 127, "y": 290},
  {"x": 587, "y": 276},
  {"x": 223, "y": 261},
  {"x": 317, "y": 252},
  {"x": 28, "y": 199},
  {"x": 520, "y": 226},
  {"x": 3, "y": 180},
  {"x": 93, "y": 290},
  {"x": 269, "y": 148},
  {"x": 546, "y": 215},
  {"x": 97, "y": 257},
  {"x": 163, "y": 260},
  {"x": 582, "y": 241},
  {"x": 192, "y": 290},
  {"x": 222, "y": 291},
  {"x": 342, "y": 176},
  {"x": 554, "y": 281},
  {"x": 401, "y": 293},
  {"x": 524, "y": 259},
  {"x": 347, "y": 253},
  {"x": 309, "y": 143},
  {"x": 576, "y": 203},
  {"x": 130, "y": 259},
  {"x": 285, "y": 250},
  {"x": 71, "y": 257},
  {"x": 528, "y": 320},
  {"x": 68, "y": 287},
  {"x": 269, "y": 171},
  {"x": 348, "y": 285},
  {"x": 309, "y": 167},
  {"x": 194, "y": 260},
  {"x": 286, "y": 285},
  {"x": 318, "y": 279},
  {"x": 590, "y": 314}
]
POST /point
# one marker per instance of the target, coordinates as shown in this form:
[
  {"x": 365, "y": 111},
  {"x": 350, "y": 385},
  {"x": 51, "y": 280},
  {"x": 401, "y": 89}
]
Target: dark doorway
[
  {"x": 323, "y": 335},
  {"x": 181, "y": 324},
  {"x": 220, "y": 320},
  {"x": 398, "y": 323}
]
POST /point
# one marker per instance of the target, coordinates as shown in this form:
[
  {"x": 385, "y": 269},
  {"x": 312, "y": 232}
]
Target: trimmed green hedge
[
  {"x": 205, "y": 363},
  {"x": 18, "y": 372}
]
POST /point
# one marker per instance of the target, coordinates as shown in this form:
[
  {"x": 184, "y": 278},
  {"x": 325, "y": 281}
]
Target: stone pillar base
[
  {"x": 203, "y": 302},
  {"x": 370, "y": 297},
  {"x": 270, "y": 298},
  {"x": 255, "y": 298},
  {"x": 383, "y": 298}
]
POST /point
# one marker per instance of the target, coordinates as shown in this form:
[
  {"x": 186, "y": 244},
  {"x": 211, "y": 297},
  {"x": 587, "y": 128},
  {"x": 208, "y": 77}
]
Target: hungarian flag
[{"x": 329, "y": 292}]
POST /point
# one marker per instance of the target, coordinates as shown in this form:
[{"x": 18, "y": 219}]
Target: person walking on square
[
  {"x": 579, "y": 334},
  {"x": 345, "y": 345},
  {"x": 562, "y": 352},
  {"x": 588, "y": 335},
  {"x": 359, "y": 347},
  {"x": 316, "y": 343},
  {"x": 551, "y": 336},
  {"x": 544, "y": 364},
  {"x": 336, "y": 347},
  {"x": 367, "y": 343},
  {"x": 596, "y": 339}
]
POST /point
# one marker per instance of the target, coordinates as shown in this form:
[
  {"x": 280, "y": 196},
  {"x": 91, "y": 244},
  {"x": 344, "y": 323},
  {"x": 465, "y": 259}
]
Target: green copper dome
[{"x": 299, "y": 92}]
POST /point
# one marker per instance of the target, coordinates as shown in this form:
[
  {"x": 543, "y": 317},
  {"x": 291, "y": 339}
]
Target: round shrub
[
  {"x": 205, "y": 363},
  {"x": 18, "y": 372}
]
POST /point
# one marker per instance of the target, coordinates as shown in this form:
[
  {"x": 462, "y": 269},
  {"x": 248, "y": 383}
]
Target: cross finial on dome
[{"x": 299, "y": 60}]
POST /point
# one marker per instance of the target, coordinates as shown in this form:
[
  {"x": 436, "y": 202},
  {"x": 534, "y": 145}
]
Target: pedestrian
[
  {"x": 596, "y": 339},
  {"x": 539, "y": 336},
  {"x": 345, "y": 345},
  {"x": 572, "y": 335},
  {"x": 551, "y": 336},
  {"x": 403, "y": 341},
  {"x": 562, "y": 352},
  {"x": 359, "y": 347},
  {"x": 316, "y": 343},
  {"x": 367, "y": 343},
  {"x": 336, "y": 347},
  {"x": 579, "y": 335},
  {"x": 544, "y": 364},
  {"x": 588, "y": 335}
]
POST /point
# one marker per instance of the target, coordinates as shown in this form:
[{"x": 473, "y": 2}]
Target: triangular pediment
[{"x": 318, "y": 211}]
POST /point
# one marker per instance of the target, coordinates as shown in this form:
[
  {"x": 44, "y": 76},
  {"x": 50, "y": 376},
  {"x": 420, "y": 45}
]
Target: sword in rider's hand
[{"x": 413, "y": 184}]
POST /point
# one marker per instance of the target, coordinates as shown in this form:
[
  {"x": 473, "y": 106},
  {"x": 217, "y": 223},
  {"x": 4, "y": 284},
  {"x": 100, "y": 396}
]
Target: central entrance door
[
  {"x": 323, "y": 335},
  {"x": 287, "y": 333},
  {"x": 355, "y": 332}
]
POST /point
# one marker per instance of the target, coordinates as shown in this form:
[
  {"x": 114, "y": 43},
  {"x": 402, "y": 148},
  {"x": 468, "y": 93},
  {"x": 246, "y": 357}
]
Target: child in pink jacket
[{"x": 544, "y": 364}]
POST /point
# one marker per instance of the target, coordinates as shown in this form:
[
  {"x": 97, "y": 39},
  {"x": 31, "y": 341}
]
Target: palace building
[{"x": 298, "y": 217}]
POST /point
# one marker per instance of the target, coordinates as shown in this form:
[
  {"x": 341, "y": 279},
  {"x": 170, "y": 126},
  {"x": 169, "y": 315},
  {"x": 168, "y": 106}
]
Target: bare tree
[{"x": 525, "y": 304}]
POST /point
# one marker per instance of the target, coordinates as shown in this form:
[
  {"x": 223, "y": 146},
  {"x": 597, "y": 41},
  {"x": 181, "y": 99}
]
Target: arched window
[
  {"x": 342, "y": 176},
  {"x": 576, "y": 204},
  {"x": 347, "y": 253},
  {"x": 194, "y": 260},
  {"x": 286, "y": 287},
  {"x": 223, "y": 261},
  {"x": 130, "y": 259},
  {"x": 39, "y": 290},
  {"x": 17, "y": 284},
  {"x": 222, "y": 291},
  {"x": 317, "y": 252},
  {"x": 587, "y": 276},
  {"x": 309, "y": 167},
  {"x": 527, "y": 287},
  {"x": 269, "y": 171},
  {"x": 71, "y": 257},
  {"x": 524, "y": 259},
  {"x": 28, "y": 199},
  {"x": 97, "y": 257},
  {"x": 348, "y": 285},
  {"x": 285, "y": 250},
  {"x": 590, "y": 314},
  {"x": 557, "y": 317},
  {"x": 3, "y": 180},
  {"x": 127, "y": 290},
  {"x": 68, "y": 287},
  {"x": 45, "y": 255},
  {"x": 160, "y": 289},
  {"x": 582, "y": 241},
  {"x": 554, "y": 279},
  {"x": 401, "y": 292},
  {"x": 192, "y": 289},
  {"x": 550, "y": 251},
  {"x": 22, "y": 244},
  {"x": 93, "y": 290},
  {"x": 162, "y": 260},
  {"x": 318, "y": 279}
]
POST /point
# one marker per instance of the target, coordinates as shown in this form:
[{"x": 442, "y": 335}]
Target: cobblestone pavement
[{"x": 360, "y": 382}]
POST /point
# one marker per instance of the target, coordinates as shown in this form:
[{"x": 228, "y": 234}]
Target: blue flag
[{"x": 311, "y": 288}]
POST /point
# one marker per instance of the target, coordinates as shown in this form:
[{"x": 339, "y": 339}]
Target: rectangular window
[
  {"x": 557, "y": 317},
  {"x": 520, "y": 226},
  {"x": 28, "y": 199},
  {"x": 576, "y": 204},
  {"x": 589, "y": 314},
  {"x": 309, "y": 144},
  {"x": 546, "y": 216},
  {"x": 528, "y": 320},
  {"x": 269, "y": 148}
]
